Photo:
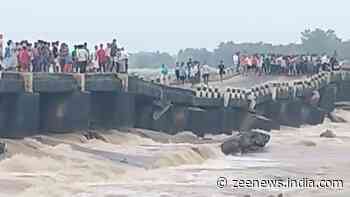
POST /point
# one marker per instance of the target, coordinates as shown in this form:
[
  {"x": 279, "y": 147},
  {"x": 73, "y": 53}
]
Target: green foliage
[
  {"x": 315, "y": 41},
  {"x": 150, "y": 59},
  {"x": 319, "y": 41}
]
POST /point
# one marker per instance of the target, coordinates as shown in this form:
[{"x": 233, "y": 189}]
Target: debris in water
[{"x": 328, "y": 134}]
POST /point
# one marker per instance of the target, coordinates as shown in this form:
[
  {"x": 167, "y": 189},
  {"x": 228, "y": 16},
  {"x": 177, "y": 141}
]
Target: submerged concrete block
[
  {"x": 253, "y": 121},
  {"x": 19, "y": 115},
  {"x": 63, "y": 112}
]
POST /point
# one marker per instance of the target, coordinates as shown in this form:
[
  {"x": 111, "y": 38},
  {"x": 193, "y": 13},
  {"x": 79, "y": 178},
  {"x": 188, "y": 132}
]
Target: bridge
[{"x": 32, "y": 103}]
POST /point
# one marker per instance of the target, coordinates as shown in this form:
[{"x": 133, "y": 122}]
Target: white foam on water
[{"x": 171, "y": 169}]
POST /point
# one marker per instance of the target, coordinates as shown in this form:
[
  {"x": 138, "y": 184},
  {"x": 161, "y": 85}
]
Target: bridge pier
[
  {"x": 312, "y": 115},
  {"x": 232, "y": 119},
  {"x": 343, "y": 93},
  {"x": 63, "y": 107},
  {"x": 19, "y": 114},
  {"x": 63, "y": 112},
  {"x": 285, "y": 112},
  {"x": 111, "y": 107},
  {"x": 328, "y": 97},
  {"x": 110, "y": 110}
]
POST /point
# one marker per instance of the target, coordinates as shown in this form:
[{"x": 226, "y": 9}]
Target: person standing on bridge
[
  {"x": 177, "y": 71},
  {"x": 205, "y": 71},
  {"x": 236, "y": 62},
  {"x": 189, "y": 68},
  {"x": 164, "y": 75},
  {"x": 114, "y": 56},
  {"x": 63, "y": 57},
  {"x": 182, "y": 72},
  {"x": 101, "y": 59},
  {"x": 124, "y": 58},
  {"x": 82, "y": 58},
  {"x": 193, "y": 76},
  {"x": 24, "y": 59},
  {"x": 54, "y": 49},
  {"x": 10, "y": 59},
  {"x": 221, "y": 70}
]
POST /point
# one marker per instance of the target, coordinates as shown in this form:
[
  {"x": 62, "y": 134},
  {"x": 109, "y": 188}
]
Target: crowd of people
[
  {"x": 43, "y": 56},
  {"x": 290, "y": 65},
  {"x": 192, "y": 71},
  {"x": 258, "y": 64}
]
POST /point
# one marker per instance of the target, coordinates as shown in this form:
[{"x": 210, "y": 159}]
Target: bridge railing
[{"x": 240, "y": 97}]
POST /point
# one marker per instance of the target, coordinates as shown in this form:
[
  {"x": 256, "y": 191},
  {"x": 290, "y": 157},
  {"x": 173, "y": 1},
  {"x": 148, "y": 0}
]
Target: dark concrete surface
[
  {"x": 19, "y": 115},
  {"x": 102, "y": 82},
  {"x": 54, "y": 82}
]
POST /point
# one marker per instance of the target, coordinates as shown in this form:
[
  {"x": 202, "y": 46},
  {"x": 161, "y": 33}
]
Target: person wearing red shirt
[
  {"x": 24, "y": 59},
  {"x": 102, "y": 58}
]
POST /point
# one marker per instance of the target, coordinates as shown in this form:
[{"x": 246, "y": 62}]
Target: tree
[
  {"x": 315, "y": 41},
  {"x": 150, "y": 59},
  {"x": 319, "y": 41}
]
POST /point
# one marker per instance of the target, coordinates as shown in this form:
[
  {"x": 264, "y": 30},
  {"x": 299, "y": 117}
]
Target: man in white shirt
[
  {"x": 235, "y": 59},
  {"x": 124, "y": 56},
  {"x": 324, "y": 59},
  {"x": 205, "y": 73},
  {"x": 82, "y": 58},
  {"x": 325, "y": 62}
]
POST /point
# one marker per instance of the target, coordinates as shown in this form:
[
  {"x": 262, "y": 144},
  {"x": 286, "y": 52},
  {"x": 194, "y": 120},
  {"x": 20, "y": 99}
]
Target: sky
[{"x": 164, "y": 25}]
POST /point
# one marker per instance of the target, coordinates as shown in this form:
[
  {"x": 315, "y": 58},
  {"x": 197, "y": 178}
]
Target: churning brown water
[{"x": 142, "y": 163}]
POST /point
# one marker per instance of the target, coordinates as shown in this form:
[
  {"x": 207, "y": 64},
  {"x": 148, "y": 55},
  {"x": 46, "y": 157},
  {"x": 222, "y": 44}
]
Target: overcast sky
[{"x": 169, "y": 25}]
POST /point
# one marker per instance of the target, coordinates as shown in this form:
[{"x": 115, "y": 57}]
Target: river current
[{"x": 141, "y": 163}]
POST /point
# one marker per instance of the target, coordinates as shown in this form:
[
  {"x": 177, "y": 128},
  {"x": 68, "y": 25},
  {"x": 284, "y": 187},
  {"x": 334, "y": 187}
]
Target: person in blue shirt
[{"x": 164, "y": 74}]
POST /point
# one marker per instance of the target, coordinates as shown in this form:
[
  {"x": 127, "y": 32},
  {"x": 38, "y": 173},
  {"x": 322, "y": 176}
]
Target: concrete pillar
[
  {"x": 312, "y": 115},
  {"x": 343, "y": 93},
  {"x": 214, "y": 121},
  {"x": 328, "y": 97},
  {"x": 64, "y": 111},
  {"x": 205, "y": 121},
  {"x": 196, "y": 121},
  {"x": 19, "y": 115},
  {"x": 143, "y": 112},
  {"x": 232, "y": 119},
  {"x": 172, "y": 121},
  {"x": 286, "y": 112},
  {"x": 111, "y": 110}
]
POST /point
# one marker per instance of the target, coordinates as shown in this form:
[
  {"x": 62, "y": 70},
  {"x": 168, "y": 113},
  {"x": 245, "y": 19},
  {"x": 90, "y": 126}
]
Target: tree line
[{"x": 315, "y": 41}]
